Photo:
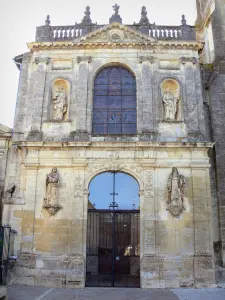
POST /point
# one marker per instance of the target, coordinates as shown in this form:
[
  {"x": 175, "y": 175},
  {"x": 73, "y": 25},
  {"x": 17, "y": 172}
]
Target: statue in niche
[
  {"x": 170, "y": 105},
  {"x": 52, "y": 184},
  {"x": 59, "y": 104},
  {"x": 175, "y": 186}
]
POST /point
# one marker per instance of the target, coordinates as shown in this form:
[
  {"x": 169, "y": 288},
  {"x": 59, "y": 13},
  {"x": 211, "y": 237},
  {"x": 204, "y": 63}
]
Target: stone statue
[
  {"x": 170, "y": 105},
  {"x": 116, "y": 8},
  {"x": 144, "y": 19},
  {"x": 59, "y": 104},
  {"x": 52, "y": 183},
  {"x": 175, "y": 186},
  {"x": 86, "y": 18}
]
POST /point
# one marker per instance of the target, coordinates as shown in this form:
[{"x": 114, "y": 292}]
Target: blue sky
[
  {"x": 19, "y": 19},
  {"x": 126, "y": 186}
]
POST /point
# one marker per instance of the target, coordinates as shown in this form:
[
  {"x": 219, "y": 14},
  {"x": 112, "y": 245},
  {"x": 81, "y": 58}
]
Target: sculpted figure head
[{"x": 54, "y": 170}]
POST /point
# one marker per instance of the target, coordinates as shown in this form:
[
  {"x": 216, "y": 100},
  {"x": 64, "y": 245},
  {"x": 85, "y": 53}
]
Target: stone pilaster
[
  {"x": 204, "y": 272},
  {"x": 39, "y": 78},
  {"x": 147, "y": 108},
  {"x": 22, "y": 98},
  {"x": 149, "y": 261},
  {"x": 82, "y": 93},
  {"x": 191, "y": 99}
]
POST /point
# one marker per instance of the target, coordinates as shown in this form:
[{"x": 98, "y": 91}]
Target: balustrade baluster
[{"x": 158, "y": 32}]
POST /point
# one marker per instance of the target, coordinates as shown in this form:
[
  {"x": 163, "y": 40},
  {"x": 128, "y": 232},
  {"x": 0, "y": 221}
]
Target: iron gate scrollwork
[{"x": 113, "y": 248}]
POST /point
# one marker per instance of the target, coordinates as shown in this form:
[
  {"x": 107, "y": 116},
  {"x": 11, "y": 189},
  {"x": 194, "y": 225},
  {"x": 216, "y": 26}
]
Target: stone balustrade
[{"x": 49, "y": 33}]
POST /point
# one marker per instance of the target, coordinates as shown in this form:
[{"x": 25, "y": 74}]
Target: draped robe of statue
[
  {"x": 52, "y": 183},
  {"x": 59, "y": 105},
  {"x": 170, "y": 106},
  {"x": 175, "y": 188}
]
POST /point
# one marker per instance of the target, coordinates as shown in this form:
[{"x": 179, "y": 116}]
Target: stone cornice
[
  {"x": 161, "y": 45},
  {"x": 114, "y": 145}
]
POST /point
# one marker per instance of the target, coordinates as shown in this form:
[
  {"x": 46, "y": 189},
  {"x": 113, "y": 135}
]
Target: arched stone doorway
[{"x": 113, "y": 231}]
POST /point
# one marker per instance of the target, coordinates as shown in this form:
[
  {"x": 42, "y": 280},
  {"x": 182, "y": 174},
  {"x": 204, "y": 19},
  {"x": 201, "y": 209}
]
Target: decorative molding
[
  {"x": 52, "y": 209},
  {"x": 79, "y": 187},
  {"x": 149, "y": 186},
  {"x": 192, "y": 60},
  {"x": 46, "y": 60},
  {"x": 84, "y": 58},
  {"x": 151, "y": 59}
]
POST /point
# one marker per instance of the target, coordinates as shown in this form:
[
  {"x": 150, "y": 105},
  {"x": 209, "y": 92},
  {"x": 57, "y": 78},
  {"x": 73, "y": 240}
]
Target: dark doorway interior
[{"x": 113, "y": 251}]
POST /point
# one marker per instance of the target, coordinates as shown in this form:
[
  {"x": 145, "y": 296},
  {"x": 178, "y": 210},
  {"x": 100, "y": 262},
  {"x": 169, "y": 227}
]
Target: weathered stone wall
[
  {"x": 79, "y": 68},
  {"x": 175, "y": 251},
  {"x": 5, "y": 143},
  {"x": 213, "y": 90}
]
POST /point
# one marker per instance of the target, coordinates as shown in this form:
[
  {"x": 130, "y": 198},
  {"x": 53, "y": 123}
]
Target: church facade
[{"x": 112, "y": 98}]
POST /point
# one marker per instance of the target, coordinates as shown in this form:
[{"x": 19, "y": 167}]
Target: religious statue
[
  {"x": 116, "y": 8},
  {"x": 59, "y": 104},
  {"x": 175, "y": 186},
  {"x": 144, "y": 19},
  {"x": 115, "y": 17},
  {"x": 52, "y": 183},
  {"x": 170, "y": 105},
  {"x": 86, "y": 18}
]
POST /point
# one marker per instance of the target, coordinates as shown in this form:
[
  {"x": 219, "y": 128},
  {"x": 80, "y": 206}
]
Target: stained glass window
[{"x": 114, "y": 107}]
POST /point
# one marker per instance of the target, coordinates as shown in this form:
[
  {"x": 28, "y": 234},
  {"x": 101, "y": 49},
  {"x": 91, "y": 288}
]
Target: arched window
[{"x": 114, "y": 107}]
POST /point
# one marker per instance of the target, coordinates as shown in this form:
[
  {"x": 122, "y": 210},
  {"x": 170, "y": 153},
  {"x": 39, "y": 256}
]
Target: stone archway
[{"x": 113, "y": 235}]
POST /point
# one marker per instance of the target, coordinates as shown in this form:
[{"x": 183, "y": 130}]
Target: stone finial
[
  {"x": 87, "y": 19},
  {"x": 183, "y": 21},
  {"x": 116, "y": 17},
  {"x": 47, "y": 21},
  {"x": 144, "y": 19}
]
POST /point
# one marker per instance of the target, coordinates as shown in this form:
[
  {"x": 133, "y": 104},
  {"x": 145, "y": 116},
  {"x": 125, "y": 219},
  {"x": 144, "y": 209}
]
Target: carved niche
[
  {"x": 59, "y": 102},
  {"x": 171, "y": 101},
  {"x": 52, "y": 186},
  {"x": 175, "y": 187}
]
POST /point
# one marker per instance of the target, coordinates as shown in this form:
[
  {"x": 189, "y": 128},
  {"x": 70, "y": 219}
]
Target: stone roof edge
[
  {"x": 120, "y": 26},
  {"x": 118, "y": 144},
  {"x": 78, "y": 45},
  {"x": 5, "y": 131}
]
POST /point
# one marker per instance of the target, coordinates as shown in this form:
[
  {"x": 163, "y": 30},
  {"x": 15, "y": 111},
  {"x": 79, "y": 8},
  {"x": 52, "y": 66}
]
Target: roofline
[{"x": 18, "y": 60}]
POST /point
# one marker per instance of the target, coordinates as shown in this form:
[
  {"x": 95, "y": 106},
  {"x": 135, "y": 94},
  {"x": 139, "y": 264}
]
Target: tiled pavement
[{"x": 23, "y": 292}]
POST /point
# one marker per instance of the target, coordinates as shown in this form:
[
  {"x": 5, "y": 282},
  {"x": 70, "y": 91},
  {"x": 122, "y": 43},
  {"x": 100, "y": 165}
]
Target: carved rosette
[{"x": 116, "y": 36}]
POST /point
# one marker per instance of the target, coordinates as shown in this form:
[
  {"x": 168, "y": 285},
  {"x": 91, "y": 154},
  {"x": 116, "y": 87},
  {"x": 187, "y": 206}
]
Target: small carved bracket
[
  {"x": 46, "y": 60},
  {"x": 185, "y": 60},
  {"x": 151, "y": 59},
  {"x": 84, "y": 58},
  {"x": 52, "y": 209}
]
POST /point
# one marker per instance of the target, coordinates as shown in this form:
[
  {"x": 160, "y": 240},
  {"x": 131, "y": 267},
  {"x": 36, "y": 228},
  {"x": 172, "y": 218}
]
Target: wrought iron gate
[
  {"x": 4, "y": 252},
  {"x": 113, "y": 248}
]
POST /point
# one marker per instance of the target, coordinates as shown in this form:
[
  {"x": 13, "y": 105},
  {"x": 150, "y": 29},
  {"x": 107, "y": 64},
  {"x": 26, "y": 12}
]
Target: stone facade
[
  {"x": 5, "y": 143},
  {"x": 210, "y": 26},
  {"x": 176, "y": 250}
]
